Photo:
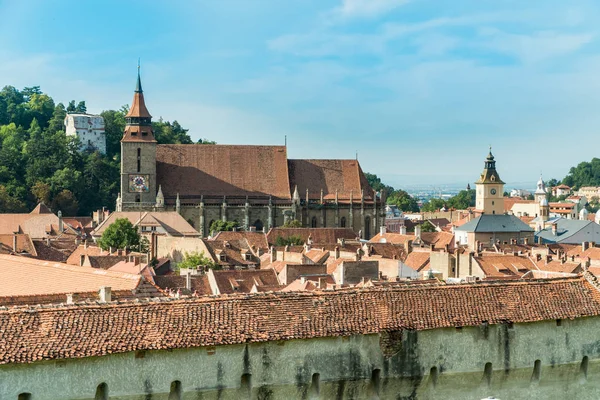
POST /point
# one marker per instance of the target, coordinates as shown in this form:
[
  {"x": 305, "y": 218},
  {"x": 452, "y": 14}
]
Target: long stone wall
[{"x": 547, "y": 360}]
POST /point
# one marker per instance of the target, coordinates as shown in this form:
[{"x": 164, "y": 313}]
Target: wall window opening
[
  {"x": 433, "y": 376},
  {"x": 487, "y": 373},
  {"x": 314, "y": 390},
  {"x": 246, "y": 385},
  {"x": 537, "y": 371},
  {"x": 175, "y": 391},
  {"x": 101, "y": 392}
]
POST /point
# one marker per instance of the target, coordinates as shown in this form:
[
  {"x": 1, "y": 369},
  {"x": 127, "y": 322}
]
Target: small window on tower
[
  {"x": 144, "y": 133},
  {"x": 133, "y": 133}
]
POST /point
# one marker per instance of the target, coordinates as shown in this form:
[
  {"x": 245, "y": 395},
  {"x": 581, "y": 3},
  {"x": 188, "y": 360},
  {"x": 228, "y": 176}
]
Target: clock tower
[
  {"x": 138, "y": 156},
  {"x": 489, "y": 189}
]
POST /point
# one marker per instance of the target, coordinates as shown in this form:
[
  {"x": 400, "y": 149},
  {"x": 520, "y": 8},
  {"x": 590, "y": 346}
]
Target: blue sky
[{"x": 420, "y": 88}]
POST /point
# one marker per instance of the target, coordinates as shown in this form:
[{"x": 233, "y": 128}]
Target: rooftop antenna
[
  {"x": 356, "y": 155},
  {"x": 285, "y": 141}
]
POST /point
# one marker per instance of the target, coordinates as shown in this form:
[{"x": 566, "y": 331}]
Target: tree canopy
[
  {"x": 39, "y": 162},
  {"x": 120, "y": 234},
  {"x": 584, "y": 174},
  {"x": 219, "y": 226},
  {"x": 399, "y": 197},
  {"x": 196, "y": 259}
]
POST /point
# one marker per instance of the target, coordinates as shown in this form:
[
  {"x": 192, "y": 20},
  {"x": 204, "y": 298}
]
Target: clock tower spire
[
  {"x": 138, "y": 155},
  {"x": 489, "y": 189}
]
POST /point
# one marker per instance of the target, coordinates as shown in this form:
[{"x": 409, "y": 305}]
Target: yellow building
[{"x": 489, "y": 189}]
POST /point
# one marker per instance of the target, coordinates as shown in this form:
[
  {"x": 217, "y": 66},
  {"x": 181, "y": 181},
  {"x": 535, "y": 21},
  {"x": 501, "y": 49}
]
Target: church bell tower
[
  {"x": 489, "y": 197},
  {"x": 138, "y": 156}
]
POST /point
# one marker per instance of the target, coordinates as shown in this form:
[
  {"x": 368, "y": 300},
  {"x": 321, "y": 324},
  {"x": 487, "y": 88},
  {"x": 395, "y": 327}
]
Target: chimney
[
  {"x": 525, "y": 241},
  {"x": 336, "y": 252},
  {"x": 418, "y": 232},
  {"x": 252, "y": 229},
  {"x": 14, "y": 243},
  {"x": 48, "y": 241},
  {"x": 69, "y": 298},
  {"x": 273, "y": 254},
  {"x": 383, "y": 230},
  {"x": 447, "y": 248},
  {"x": 188, "y": 280},
  {"x": 358, "y": 254},
  {"x": 60, "y": 222},
  {"x": 303, "y": 279},
  {"x": 105, "y": 294},
  {"x": 110, "y": 250},
  {"x": 403, "y": 229},
  {"x": 554, "y": 228},
  {"x": 85, "y": 244}
]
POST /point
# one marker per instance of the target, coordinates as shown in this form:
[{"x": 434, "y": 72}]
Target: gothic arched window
[
  {"x": 367, "y": 228},
  {"x": 313, "y": 222},
  {"x": 343, "y": 222}
]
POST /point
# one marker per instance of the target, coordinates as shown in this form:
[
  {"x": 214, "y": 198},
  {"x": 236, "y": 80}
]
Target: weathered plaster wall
[{"x": 435, "y": 364}]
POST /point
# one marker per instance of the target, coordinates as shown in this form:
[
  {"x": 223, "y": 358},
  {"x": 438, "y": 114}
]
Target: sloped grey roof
[
  {"x": 495, "y": 223},
  {"x": 571, "y": 231}
]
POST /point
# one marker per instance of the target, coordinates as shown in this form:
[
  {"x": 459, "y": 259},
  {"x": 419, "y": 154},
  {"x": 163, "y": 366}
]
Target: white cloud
[{"x": 366, "y": 8}]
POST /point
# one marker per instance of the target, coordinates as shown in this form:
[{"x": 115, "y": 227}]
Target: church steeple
[
  {"x": 139, "y": 120},
  {"x": 489, "y": 197}
]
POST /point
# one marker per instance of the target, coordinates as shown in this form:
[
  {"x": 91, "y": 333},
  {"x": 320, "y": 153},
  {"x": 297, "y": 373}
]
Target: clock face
[
  {"x": 493, "y": 191},
  {"x": 138, "y": 183}
]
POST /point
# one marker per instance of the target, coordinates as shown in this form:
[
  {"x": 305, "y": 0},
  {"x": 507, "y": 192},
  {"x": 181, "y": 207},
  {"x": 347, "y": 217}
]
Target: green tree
[
  {"x": 403, "y": 201},
  {"x": 427, "y": 227},
  {"x": 433, "y": 205},
  {"x": 57, "y": 121},
  {"x": 71, "y": 107},
  {"x": 114, "y": 125},
  {"x": 120, "y": 234},
  {"x": 41, "y": 192},
  {"x": 293, "y": 223},
  {"x": 8, "y": 203},
  {"x": 81, "y": 108},
  {"x": 377, "y": 185},
  {"x": 584, "y": 174},
  {"x": 65, "y": 202},
  {"x": 220, "y": 226},
  {"x": 293, "y": 240},
  {"x": 195, "y": 260},
  {"x": 463, "y": 200}
]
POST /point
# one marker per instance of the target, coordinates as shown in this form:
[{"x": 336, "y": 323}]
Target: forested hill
[
  {"x": 584, "y": 174},
  {"x": 40, "y": 163}
]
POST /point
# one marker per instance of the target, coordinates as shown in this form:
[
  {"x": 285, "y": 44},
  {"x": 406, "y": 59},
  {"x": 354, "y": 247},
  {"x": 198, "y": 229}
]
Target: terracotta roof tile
[
  {"x": 22, "y": 276},
  {"x": 222, "y": 170},
  {"x": 342, "y": 176},
  {"x": 284, "y": 316}
]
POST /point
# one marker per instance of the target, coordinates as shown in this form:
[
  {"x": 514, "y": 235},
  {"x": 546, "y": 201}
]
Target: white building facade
[{"x": 89, "y": 129}]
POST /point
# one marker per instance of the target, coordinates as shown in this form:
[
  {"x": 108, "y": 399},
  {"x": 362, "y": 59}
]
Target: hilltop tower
[
  {"x": 489, "y": 189},
  {"x": 138, "y": 156}
]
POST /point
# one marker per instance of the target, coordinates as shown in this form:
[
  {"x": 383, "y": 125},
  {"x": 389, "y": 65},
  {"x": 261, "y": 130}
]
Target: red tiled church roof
[
  {"x": 222, "y": 170},
  {"x": 98, "y": 330},
  {"x": 330, "y": 175}
]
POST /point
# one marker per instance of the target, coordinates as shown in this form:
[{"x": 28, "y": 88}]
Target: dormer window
[{"x": 222, "y": 257}]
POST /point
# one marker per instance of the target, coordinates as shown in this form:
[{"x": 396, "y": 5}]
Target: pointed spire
[
  {"x": 138, "y": 119},
  {"x": 178, "y": 204},
  {"x": 138, "y": 86},
  {"x": 160, "y": 198},
  {"x": 296, "y": 194},
  {"x": 336, "y": 196}
]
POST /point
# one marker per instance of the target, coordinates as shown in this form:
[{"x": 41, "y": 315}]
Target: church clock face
[
  {"x": 493, "y": 191},
  {"x": 139, "y": 183}
]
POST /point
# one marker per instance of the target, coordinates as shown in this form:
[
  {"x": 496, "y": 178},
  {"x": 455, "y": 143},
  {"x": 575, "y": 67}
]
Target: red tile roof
[
  {"x": 241, "y": 281},
  {"x": 194, "y": 170},
  {"x": 278, "y": 316},
  {"x": 22, "y": 276},
  {"x": 343, "y": 176},
  {"x": 418, "y": 260},
  {"x": 318, "y": 235},
  {"x": 504, "y": 266},
  {"x": 254, "y": 240}
]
